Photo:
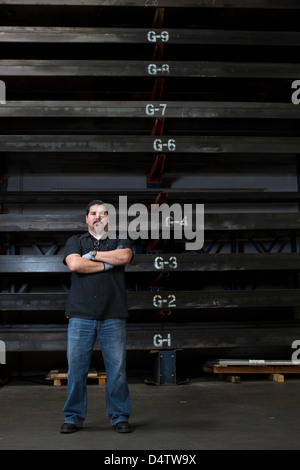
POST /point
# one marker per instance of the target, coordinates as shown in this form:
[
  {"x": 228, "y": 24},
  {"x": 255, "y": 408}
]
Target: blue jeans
[{"x": 111, "y": 335}]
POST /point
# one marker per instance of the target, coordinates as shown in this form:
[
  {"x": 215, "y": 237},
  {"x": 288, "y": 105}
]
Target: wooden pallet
[
  {"x": 57, "y": 377},
  {"x": 232, "y": 373}
]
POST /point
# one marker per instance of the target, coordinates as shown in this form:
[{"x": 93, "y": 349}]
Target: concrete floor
[{"x": 205, "y": 414}]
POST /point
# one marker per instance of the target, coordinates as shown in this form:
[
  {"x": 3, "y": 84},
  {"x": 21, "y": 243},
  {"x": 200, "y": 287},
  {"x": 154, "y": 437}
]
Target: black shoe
[
  {"x": 123, "y": 426},
  {"x": 68, "y": 428}
]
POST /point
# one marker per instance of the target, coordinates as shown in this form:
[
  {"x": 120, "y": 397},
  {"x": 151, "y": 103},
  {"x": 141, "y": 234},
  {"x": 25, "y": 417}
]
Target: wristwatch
[{"x": 93, "y": 253}]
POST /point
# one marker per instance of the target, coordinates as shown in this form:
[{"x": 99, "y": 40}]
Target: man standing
[{"x": 97, "y": 308}]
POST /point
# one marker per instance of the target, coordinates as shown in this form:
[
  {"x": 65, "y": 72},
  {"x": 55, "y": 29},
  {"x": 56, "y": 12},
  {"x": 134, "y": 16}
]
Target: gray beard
[{"x": 99, "y": 229}]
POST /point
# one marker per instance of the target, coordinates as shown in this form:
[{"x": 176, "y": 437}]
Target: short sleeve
[
  {"x": 72, "y": 247},
  {"x": 126, "y": 243}
]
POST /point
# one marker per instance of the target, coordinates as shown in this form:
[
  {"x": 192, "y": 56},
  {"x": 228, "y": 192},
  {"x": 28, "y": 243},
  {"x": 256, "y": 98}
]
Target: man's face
[{"x": 97, "y": 220}]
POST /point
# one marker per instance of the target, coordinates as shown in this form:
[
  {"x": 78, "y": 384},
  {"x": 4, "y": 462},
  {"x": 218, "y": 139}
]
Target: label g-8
[{"x": 154, "y": 69}]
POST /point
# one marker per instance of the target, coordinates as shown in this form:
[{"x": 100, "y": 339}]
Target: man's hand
[
  {"x": 108, "y": 266},
  {"x": 89, "y": 256},
  {"x": 81, "y": 265},
  {"x": 117, "y": 257}
]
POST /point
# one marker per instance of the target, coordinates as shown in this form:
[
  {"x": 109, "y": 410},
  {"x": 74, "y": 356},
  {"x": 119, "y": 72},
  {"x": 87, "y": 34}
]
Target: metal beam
[
  {"x": 212, "y": 222},
  {"x": 147, "y": 336},
  {"x": 198, "y": 300},
  {"x": 201, "y": 196},
  {"x": 164, "y": 262},
  {"x": 118, "y": 68},
  {"x": 41, "y": 223},
  {"x": 259, "y": 4},
  {"x": 174, "y": 300},
  {"x": 32, "y": 264},
  {"x": 29, "y": 34},
  {"x": 214, "y": 262},
  {"x": 150, "y": 109},
  {"x": 150, "y": 144}
]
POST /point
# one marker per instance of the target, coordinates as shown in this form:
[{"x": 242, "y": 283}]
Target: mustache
[{"x": 102, "y": 221}]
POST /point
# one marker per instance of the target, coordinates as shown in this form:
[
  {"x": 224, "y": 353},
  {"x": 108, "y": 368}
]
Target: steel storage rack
[{"x": 178, "y": 102}]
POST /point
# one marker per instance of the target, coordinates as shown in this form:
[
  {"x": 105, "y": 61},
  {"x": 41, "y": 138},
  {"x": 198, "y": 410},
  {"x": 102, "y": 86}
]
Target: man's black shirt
[{"x": 100, "y": 295}]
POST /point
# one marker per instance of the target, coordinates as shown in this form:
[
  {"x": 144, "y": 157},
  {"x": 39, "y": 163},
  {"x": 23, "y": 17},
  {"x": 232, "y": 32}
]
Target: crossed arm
[{"x": 81, "y": 265}]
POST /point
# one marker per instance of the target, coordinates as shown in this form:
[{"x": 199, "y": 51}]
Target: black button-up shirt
[{"x": 101, "y": 295}]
